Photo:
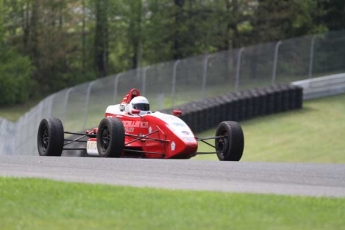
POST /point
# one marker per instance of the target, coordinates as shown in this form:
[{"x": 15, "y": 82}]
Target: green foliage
[
  {"x": 72, "y": 41},
  {"x": 277, "y": 20},
  {"x": 15, "y": 72},
  {"x": 333, "y": 14},
  {"x": 305, "y": 21}
]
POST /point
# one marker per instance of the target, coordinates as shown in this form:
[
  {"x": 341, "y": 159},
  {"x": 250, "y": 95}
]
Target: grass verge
[
  {"x": 14, "y": 112},
  {"x": 313, "y": 134},
  {"x": 45, "y": 204}
]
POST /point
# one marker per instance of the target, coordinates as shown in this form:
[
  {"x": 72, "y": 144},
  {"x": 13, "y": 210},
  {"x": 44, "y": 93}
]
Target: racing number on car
[{"x": 91, "y": 145}]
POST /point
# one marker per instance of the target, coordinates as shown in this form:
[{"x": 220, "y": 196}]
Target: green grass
[
  {"x": 314, "y": 134},
  {"x": 44, "y": 204},
  {"x": 14, "y": 112}
]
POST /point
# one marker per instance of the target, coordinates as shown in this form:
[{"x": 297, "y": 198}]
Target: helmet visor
[{"x": 142, "y": 106}]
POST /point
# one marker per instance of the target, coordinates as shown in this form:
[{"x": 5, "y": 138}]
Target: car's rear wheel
[
  {"x": 110, "y": 137},
  {"x": 230, "y": 144},
  {"x": 50, "y": 137}
]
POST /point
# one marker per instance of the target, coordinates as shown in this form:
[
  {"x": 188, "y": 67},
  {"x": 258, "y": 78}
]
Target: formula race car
[{"x": 130, "y": 129}]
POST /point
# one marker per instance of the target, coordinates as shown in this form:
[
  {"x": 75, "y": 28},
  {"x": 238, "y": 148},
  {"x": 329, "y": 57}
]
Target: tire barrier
[{"x": 239, "y": 106}]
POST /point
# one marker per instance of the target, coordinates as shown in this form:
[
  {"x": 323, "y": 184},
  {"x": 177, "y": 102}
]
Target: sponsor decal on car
[
  {"x": 179, "y": 124},
  {"x": 186, "y": 133},
  {"x": 129, "y": 129},
  {"x": 131, "y": 125},
  {"x": 189, "y": 139},
  {"x": 135, "y": 124},
  {"x": 173, "y": 145}
]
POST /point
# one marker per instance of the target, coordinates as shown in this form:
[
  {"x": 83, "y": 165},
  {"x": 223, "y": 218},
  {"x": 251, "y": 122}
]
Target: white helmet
[{"x": 139, "y": 103}]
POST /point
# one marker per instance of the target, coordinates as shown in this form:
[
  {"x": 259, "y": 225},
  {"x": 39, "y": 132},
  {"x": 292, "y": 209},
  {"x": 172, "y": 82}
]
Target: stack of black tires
[{"x": 238, "y": 106}]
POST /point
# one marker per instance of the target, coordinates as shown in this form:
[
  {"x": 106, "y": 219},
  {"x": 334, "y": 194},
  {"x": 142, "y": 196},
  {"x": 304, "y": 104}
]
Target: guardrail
[{"x": 322, "y": 86}]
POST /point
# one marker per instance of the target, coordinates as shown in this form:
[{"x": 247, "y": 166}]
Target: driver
[{"x": 139, "y": 103}]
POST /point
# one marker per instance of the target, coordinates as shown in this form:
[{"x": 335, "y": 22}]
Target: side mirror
[
  {"x": 177, "y": 113},
  {"x": 122, "y": 107},
  {"x": 136, "y": 111}
]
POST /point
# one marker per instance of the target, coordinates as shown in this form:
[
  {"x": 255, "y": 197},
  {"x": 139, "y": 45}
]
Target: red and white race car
[{"x": 130, "y": 129}]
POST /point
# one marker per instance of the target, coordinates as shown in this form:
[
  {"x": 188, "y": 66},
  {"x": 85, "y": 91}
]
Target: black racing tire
[
  {"x": 50, "y": 137},
  {"x": 110, "y": 137},
  {"x": 230, "y": 147}
]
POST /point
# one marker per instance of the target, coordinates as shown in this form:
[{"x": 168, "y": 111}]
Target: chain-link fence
[{"x": 174, "y": 83}]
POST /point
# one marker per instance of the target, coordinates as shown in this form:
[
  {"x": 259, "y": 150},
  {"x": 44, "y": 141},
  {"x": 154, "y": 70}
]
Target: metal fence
[{"x": 177, "y": 82}]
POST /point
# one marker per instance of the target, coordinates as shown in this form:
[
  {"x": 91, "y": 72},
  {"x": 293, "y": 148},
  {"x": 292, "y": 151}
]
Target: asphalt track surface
[{"x": 276, "y": 178}]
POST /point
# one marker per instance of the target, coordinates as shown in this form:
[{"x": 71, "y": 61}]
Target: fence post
[
  {"x": 203, "y": 89},
  {"x": 40, "y": 108},
  {"x": 143, "y": 87},
  {"x": 48, "y": 100},
  {"x": 23, "y": 133},
  {"x": 17, "y": 132},
  {"x": 275, "y": 61},
  {"x": 116, "y": 82},
  {"x": 87, "y": 99},
  {"x": 51, "y": 105},
  {"x": 238, "y": 68},
  {"x": 2, "y": 151},
  {"x": 66, "y": 102},
  {"x": 174, "y": 83},
  {"x": 39, "y": 116},
  {"x": 311, "y": 56}
]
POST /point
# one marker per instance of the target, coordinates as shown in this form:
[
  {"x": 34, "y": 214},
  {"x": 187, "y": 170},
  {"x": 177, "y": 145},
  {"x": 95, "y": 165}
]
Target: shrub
[{"x": 15, "y": 81}]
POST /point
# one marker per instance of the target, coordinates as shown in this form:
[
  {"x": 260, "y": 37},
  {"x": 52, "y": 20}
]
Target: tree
[
  {"x": 72, "y": 41},
  {"x": 101, "y": 37},
  {"x": 333, "y": 14},
  {"x": 277, "y": 20},
  {"x": 15, "y": 71},
  {"x": 135, "y": 31},
  {"x": 179, "y": 24},
  {"x": 158, "y": 32}
]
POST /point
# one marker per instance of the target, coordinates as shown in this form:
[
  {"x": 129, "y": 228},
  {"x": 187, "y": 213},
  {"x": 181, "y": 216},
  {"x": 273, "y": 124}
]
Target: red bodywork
[{"x": 154, "y": 135}]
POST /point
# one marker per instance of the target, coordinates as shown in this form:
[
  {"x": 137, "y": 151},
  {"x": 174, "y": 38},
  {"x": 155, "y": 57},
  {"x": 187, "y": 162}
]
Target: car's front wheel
[
  {"x": 110, "y": 137},
  {"x": 230, "y": 142},
  {"x": 50, "y": 137}
]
